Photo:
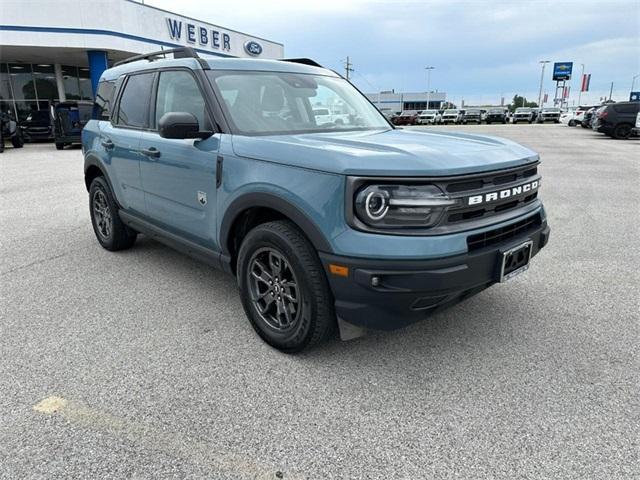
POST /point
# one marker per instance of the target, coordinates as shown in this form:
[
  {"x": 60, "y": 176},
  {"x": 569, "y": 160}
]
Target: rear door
[
  {"x": 179, "y": 176},
  {"x": 121, "y": 140}
]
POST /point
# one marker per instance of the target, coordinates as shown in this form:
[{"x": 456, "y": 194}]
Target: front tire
[
  {"x": 109, "y": 229},
  {"x": 283, "y": 287},
  {"x": 17, "y": 141},
  {"x": 59, "y": 146}
]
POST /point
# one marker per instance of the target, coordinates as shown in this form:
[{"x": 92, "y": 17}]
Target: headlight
[{"x": 394, "y": 206}]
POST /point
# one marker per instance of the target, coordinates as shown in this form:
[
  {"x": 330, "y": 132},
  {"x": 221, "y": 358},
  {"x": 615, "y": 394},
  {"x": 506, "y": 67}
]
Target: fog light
[{"x": 375, "y": 281}]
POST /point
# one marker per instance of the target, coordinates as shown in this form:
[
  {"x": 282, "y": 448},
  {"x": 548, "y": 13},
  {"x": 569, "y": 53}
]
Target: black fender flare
[{"x": 277, "y": 203}]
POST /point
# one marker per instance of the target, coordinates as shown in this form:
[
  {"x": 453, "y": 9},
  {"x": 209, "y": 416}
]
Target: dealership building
[
  {"x": 53, "y": 51},
  {"x": 392, "y": 102}
]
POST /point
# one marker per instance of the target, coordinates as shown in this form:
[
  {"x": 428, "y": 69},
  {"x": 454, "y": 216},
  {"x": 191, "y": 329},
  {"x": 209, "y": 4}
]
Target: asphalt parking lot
[{"x": 141, "y": 364}]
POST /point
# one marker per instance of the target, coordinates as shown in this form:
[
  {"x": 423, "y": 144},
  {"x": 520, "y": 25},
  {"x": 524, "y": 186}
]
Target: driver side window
[{"x": 179, "y": 92}]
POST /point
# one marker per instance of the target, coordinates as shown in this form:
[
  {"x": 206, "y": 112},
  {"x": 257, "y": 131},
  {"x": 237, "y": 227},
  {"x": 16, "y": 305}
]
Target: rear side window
[
  {"x": 104, "y": 100},
  {"x": 626, "y": 108},
  {"x": 133, "y": 110}
]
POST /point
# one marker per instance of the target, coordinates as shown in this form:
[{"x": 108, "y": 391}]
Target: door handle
[
  {"x": 108, "y": 144},
  {"x": 151, "y": 152}
]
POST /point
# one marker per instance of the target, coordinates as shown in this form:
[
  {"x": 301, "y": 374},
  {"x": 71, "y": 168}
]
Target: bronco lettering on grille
[{"x": 503, "y": 194}]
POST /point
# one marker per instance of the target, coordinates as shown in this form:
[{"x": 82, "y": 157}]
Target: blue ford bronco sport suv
[{"x": 353, "y": 224}]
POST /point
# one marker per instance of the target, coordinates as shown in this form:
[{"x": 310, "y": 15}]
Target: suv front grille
[
  {"x": 479, "y": 185},
  {"x": 499, "y": 235}
]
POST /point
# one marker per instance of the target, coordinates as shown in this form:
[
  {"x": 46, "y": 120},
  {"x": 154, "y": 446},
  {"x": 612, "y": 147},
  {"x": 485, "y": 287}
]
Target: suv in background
[
  {"x": 616, "y": 119},
  {"x": 37, "y": 126},
  {"x": 496, "y": 115},
  {"x": 472, "y": 115},
  {"x": 548, "y": 114},
  {"x": 523, "y": 114},
  {"x": 406, "y": 117},
  {"x": 352, "y": 226},
  {"x": 429, "y": 117},
  {"x": 451, "y": 115}
]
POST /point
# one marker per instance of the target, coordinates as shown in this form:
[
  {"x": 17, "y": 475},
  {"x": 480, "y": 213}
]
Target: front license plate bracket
[{"x": 515, "y": 260}]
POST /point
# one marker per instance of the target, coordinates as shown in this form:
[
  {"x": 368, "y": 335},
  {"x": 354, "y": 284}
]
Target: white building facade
[
  {"x": 392, "y": 102},
  {"x": 56, "y": 50}
]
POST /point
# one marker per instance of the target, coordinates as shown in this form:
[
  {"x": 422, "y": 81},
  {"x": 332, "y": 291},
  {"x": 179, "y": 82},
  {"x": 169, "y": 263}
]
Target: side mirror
[{"x": 180, "y": 125}]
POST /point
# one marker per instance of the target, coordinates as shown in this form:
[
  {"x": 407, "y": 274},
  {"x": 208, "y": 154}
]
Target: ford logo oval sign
[{"x": 253, "y": 48}]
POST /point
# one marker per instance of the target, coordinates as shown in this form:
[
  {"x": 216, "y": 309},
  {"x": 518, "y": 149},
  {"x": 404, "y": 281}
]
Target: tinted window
[
  {"x": 626, "y": 108},
  {"x": 103, "y": 101},
  {"x": 179, "y": 92},
  {"x": 134, "y": 102}
]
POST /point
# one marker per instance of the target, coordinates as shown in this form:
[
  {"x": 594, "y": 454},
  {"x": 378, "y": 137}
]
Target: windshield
[
  {"x": 472, "y": 112},
  {"x": 496, "y": 110},
  {"x": 38, "y": 116},
  {"x": 555, "y": 110},
  {"x": 279, "y": 102},
  {"x": 523, "y": 110},
  {"x": 449, "y": 112}
]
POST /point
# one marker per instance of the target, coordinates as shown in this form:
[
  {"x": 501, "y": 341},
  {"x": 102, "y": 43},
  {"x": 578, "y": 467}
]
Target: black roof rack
[
  {"x": 303, "y": 61},
  {"x": 181, "y": 52}
]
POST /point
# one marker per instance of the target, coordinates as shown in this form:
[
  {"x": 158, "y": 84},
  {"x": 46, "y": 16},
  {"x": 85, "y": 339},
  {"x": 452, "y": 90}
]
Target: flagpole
[{"x": 581, "y": 83}]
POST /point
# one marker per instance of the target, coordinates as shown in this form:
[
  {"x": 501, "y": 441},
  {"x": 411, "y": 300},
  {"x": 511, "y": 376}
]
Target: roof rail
[
  {"x": 181, "y": 52},
  {"x": 303, "y": 61}
]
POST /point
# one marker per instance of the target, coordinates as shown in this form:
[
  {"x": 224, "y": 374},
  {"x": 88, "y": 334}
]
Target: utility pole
[
  {"x": 611, "y": 91},
  {"x": 544, "y": 63},
  {"x": 581, "y": 80},
  {"x": 348, "y": 68},
  {"x": 428, "y": 69}
]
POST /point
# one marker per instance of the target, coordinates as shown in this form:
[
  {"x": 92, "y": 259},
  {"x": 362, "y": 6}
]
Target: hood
[{"x": 392, "y": 152}]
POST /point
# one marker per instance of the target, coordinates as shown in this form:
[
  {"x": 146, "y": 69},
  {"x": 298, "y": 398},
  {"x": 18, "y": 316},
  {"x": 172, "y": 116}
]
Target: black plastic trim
[
  {"x": 207, "y": 255},
  {"x": 274, "y": 202}
]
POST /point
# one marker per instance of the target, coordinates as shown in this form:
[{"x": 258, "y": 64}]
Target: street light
[
  {"x": 428, "y": 69},
  {"x": 544, "y": 63}
]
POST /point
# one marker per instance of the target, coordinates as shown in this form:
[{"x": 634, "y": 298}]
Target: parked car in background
[
  {"x": 472, "y": 115},
  {"x": 451, "y": 115},
  {"x": 636, "y": 129},
  {"x": 588, "y": 117},
  {"x": 429, "y": 117},
  {"x": 9, "y": 130},
  {"x": 325, "y": 115},
  {"x": 523, "y": 114},
  {"x": 496, "y": 115},
  {"x": 548, "y": 114},
  {"x": 407, "y": 117},
  {"x": 69, "y": 118},
  {"x": 617, "y": 120},
  {"x": 37, "y": 126}
]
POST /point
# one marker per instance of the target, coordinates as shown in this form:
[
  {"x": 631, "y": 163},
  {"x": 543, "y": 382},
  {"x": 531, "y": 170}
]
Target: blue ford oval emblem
[{"x": 253, "y": 48}]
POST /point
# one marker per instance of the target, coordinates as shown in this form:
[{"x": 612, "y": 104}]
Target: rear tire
[
  {"x": 283, "y": 287},
  {"x": 572, "y": 123},
  {"x": 622, "y": 131},
  {"x": 110, "y": 230},
  {"x": 59, "y": 146},
  {"x": 17, "y": 141}
]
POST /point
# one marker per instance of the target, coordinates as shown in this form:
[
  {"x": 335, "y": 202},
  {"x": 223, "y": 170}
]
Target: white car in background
[
  {"x": 429, "y": 117},
  {"x": 324, "y": 116},
  {"x": 574, "y": 117}
]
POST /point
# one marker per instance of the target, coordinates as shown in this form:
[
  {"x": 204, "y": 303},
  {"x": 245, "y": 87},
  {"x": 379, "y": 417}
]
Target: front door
[{"x": 179, "y": 176}]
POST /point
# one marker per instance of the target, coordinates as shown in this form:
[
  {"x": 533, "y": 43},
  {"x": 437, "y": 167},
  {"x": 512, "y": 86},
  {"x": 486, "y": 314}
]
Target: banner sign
[{"x": 586, "y": 80}]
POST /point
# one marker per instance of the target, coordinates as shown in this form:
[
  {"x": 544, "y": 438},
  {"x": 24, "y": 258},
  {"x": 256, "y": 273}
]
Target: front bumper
[{"x": 407, "y": 291}]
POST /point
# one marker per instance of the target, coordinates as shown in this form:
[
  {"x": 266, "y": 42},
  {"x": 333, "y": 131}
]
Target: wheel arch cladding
[{"x": 265, "y": 207}]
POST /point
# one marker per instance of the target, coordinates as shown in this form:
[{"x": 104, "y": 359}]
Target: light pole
[
  {"x": 544, "y": 63},
  {"x": 428, "y": 69},
  {"x": 581, "y": 80}
]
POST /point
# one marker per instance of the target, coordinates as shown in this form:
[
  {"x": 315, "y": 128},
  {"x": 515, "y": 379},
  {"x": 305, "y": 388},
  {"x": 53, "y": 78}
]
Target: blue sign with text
[{"x": 562, "y": 70}]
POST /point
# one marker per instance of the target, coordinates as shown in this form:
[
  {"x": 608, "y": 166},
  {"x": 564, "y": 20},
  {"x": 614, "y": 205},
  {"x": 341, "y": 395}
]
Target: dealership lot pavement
[{"x": 141, "y": 364}]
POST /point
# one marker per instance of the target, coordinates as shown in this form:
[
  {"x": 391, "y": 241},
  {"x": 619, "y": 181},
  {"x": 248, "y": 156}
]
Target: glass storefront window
[
  {"x": 45, "y": 79},
  {"x": 5, "y": 87},
  {"x": 71, "y": 84},
  {"x": 86, "y": 90},
  {"x": 25, "y": 108},
  {"x": 22, "y": 81}
]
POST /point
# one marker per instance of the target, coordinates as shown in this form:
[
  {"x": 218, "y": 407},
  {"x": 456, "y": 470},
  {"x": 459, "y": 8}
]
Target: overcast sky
[{"x": 481, "y": 49}]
